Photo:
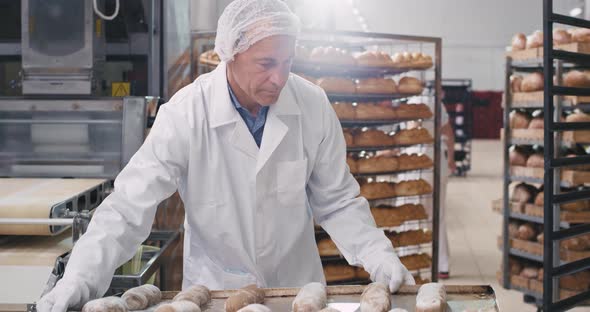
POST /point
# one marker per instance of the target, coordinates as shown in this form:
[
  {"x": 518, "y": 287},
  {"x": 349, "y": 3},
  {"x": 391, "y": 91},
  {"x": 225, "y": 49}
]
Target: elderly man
[{"x": 257, "y": 154}]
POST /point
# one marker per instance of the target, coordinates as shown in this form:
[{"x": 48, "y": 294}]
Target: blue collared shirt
[{"x": 256, "y": 123}]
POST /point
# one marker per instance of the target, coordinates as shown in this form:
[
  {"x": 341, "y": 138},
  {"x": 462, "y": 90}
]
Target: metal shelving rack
[
  {"x": 553, "y": 104},
  {"x": 359, "y": 41}
]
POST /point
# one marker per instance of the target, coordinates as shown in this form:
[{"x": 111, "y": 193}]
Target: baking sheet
[{"x": 34, "y": 198}]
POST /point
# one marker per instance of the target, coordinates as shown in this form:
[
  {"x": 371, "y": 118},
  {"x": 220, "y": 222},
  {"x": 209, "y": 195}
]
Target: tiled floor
[{"x": 473, "y": 227}]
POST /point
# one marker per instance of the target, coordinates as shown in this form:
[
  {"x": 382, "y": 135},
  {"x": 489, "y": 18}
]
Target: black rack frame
[{"x": 552, "y": 134}]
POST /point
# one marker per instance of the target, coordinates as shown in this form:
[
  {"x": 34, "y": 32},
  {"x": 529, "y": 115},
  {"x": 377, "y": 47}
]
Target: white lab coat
[{"x": 248, "y": 210}]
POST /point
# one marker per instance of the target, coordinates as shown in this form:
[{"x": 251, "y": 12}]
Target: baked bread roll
[
  {"x": 530, "y": 272},
  {"x": 524, "y": 193},
  {"x": 576, "y": 78},
  {"x": 575, "y": 206},
  {"x": 535, "y": 40},
  {"x": 410, "y": 237},
  {"x": 335, "y": 272},
  {"x": 532, "y": 82},
  {"x": 517, "y": 158},
  {"x": 244, "y": 297},
  {"x": 348, "y": 138},
  {"x": 412, "y": 188},
  {"x": 336, "y": 85},
  {"x": 373, "y": 137},
  {"x": 516, "y": 83},
  {"x": 581, "y": 35},
  {"x": 378, "y": 190},
  {"x": 311, "y": 297},
  {"x": 408, "y": 111},
  {"x": 410, "y": 85},
  {"x": 378, "y": 164},
  {"x": 374, "y": 58},
  {"x": 513, "y": 229},
  {"x": 519, "y": 120},
  {"x": 327, "y": 248},
  {"x": 179, "y": 306},
  {"x": 142, "y": 297},
  {"x": 376, "y": 86},
  {"x": 536, "y": 161},
  {"x": 518, "y": 42},
  {"x": 579, "y": 243},
  {"x": 352, "y": 165},
  {"x": 387, "y": 216},
  {"x": 537, "y": 123},
  {"x": 578, "y": 117},
  {"x": 402, "y": 60},
  {"x": 420, "y": 61},
  {"x": 414, "y": 162},
  {"x": 515, "y": 267},
  {"x": 577, "y": 281},
  {"x": 331, "y": 55},
  {"x": 329, "y": 309},
  {"x": 106, "y": 304},
  {"x": 209, "y": 57},
  {"x": 412, "y": 136},
  {"x": 560, "y": 36},
  {"x": 526, "y": 232},
  {"x": 255, "y": 308},
  {"x": 344, "y": 110},
  {"x": 376, "y": 298},
  {"x": 373, "y": 111},
  {"x": 431, "y": 297},
  {"x": 198, "y": 294},
  {"x": 541, "y": 238},
  {"x": 540, "y": 199}
]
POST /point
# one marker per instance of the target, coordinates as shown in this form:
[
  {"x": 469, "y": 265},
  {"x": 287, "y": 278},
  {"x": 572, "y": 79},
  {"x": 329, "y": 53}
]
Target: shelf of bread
[
  {"x": 536, "y": 136},
  {"x": 397, "y": 216},
  {"x": 576, "y": 40},
  {"x": 533, "y": 285},
  {"x": 385, "y": 190},
  {"x": 368, "y": 89},
  {"x": 569, "y": 178},
  {"x": 379, "y": 113},
  {"x": 386, "y": 164},
  {"x": 358, "y": 140},
  {"x": 534, "y": 212},
  {"x": 535, "y": 100}
]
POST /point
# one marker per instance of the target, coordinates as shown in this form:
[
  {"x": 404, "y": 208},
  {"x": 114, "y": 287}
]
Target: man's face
[{"x": 262, "y": 70}]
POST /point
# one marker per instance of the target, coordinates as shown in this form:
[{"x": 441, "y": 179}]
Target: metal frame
[{"x": 390, "y": 39}]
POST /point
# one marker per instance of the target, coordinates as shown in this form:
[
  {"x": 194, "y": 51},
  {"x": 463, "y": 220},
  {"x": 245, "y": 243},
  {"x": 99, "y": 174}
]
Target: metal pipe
[{"x": 36, "y": 221}]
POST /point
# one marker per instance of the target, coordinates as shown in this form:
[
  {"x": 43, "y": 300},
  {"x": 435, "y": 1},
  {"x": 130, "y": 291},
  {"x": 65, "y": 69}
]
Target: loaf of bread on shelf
[
  {"x": 576, "y": 206},
  {"x": 410, "y": 238},
  {"x": 416, "y": 261},
  {"x": 336, "y": 85},
  {"x": 578, "y": 167},
  {"x": 518, "y": 42},
  {"x": 561, "y": 36},
  {"x": 578, "y": 281},
  {"x": 327, "y": 247},
  {"x": 412, "y": 188},
  {"x": 331, "y": 55},
  {"x": 414, "y": 161},
  {"x": 412, "y": 136},
  {"x": 519, "y": 120},
  {"x": 530, "y": 272},
  {"x": 576, "y": 78},
  {"x": 580, "y": 34},
  {"x": 372, "y": 137},
  {"x": 513, "y": 229},
  {"x": 375, "y": 111},
  {"x": 335, "y": 272},
  {"x": 578, "y": 243},
  {"x": 378, "y": 164},
  {"x": 390, "y": 216},
  {"x": 535, "y": 40},
  {"x": 527, "y": 232},
  {"x": 402, "y": 59},
  {"x": 376, "y": 86},
  {"x": 344, "y": 110},
  {"x": 578, "y": 117},
  {"x": 374, "y": 58},
  {"x": 408, "y": 111},
  {"x": 352, "y": 165},
  {"x": 540, "y": 199},
  {"x": 537, "y": 123},
  {"x": 536, "y": 161},
  {"x": 378, "y": 190},
  {"x": 532, "y": 82},
  {"x": 209, "y": 57},
  {"x": 517, "y": 157},
  {"x": 516, "y": 83},
  {"x": 410, "y": 85},
  {"x": 524, "y": 193},
  {"x": 420, "y": 60},
  {"x": 348, "y": 137},
  {"x": 515, "y": 266}
]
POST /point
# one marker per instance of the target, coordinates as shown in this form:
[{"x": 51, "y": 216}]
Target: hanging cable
[{"x": 104, "y": 17}]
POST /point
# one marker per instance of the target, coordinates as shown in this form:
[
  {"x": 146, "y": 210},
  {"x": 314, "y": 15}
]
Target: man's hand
[
  {"x": 63, "y": 296},
  {"x": 393, "y": 273}
]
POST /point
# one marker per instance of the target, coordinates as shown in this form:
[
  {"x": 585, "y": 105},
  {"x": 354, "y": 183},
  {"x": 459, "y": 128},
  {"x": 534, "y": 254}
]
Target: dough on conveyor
[
  {"x": 311, "y": 298},
  {"x": 179, "y": 306},
  {"x": 432, "y": 297},
  {"x": 244, "y": 297},
  {"x": 198, "y": 294},
  {"x": 376, "y": 298},
  {"x": 255, "y": 308},
  {"x": 142, "y": 297},
  {"x": 106, "y": 304}
]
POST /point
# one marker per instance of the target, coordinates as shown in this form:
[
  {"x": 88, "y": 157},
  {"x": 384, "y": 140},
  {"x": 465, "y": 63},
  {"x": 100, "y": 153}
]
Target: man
[{"x": 256, "y": 154}]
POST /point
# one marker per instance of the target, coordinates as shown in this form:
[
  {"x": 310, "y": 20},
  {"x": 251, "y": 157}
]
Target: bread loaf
[
  {"x": 560, "y": 36},
  {"x": 414, "y": 162},
  {"x": 408, "y": 111},
  {"x": 535, "y": 40},
  {"x": 576, "y": 206},
  {"x": 374, "y": 58},
  {"x": 519, "y": 120},
  {"x": 255, "y": 308},
  {"x": 515, "y": 83},
  {"x": 374, "y": 111},
  {"x": 344, "y": 110},
  {"x": 198, "y": 294},
  {"x": 329, "y": 309},
  {"x": 524, "y": 193},
  {"x": 373, "y": 137},
  {"x": 179, "y": 306},
  {"x": 378, "y": 190},
  {"x": 348, "y": 138},
  {"x": 576, "y": 78},
  {"x": 578, "y": 243},
  {"x": 412, "y": 188},
  {"x": 327, "y": 248},
  {"x": 537, "y": 123},
  {"x": 526, "y": 232},
  {"x": 378, "y": 164},
  {"x": 517, "y": 158},
  {"x": 376, "y": 86},
  {"x": 311, "y": 297},
  {"x": 515, "y": 267},
  {"x": 432, "y": 297},
  {"x": 513, "y": 229},
  {"x": 530, "y": 272},
  {"x": 335, "y": 272},
  {"x": 376, "y": 298},
  {"x": 578, "y": 117},
  {"x": 532, "y": 82},
  {"x": 536, "y": 161},
  {"x": 106, "y": 304},
  {"x": 540, "y": 199},
  {"x": 352, "y": 165},
  {"x": 412, "y": 136},
  {"x": 244, "y": 297},
  {"x": 577, "y": 281},
  {"x": 142, "y": 297},
  {"x": 337, "y": 85},
  {"x": 581, "y": 35},
  {"x": 519, "y": 42},
  {"x": 410, "y": 85}
]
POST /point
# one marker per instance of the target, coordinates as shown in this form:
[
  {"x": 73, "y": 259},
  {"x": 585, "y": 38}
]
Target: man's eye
[{"x": 266, "y": 65}]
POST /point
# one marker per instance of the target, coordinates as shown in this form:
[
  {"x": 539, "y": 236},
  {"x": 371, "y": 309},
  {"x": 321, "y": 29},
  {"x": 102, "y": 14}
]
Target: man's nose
[{"x": 280, "y": 75}]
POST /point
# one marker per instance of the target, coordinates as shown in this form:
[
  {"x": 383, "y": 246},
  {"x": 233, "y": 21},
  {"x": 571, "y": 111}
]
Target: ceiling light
[{"x": 576, "y": 11}]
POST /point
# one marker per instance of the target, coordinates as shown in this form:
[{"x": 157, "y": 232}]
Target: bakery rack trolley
[
  {"x": 557, "y": 225},
  {"x": 359, "y": 42}
]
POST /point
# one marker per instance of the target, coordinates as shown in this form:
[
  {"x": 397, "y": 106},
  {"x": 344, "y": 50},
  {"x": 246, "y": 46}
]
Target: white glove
[
  {"x": 393, "y": 273},
  {"x": 64, "y": 295}
]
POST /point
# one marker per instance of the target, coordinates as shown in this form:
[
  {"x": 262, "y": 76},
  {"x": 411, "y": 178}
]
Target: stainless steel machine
[{"x": 78, "y": 92}]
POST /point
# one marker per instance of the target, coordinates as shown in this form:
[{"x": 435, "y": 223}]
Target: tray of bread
[
  {"x": 576, "y": 40},
  {"x": 375, "y": 139},
  {"x": 310, "y": 297},
  {"x": 527, "y": 90},
  {"x": 386, "y": 164},
  {"x": 379, "y": 113},
  {"x": 383, "y": 190}
]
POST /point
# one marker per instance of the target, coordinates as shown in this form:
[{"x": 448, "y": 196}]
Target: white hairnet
[{"x": 245, "y": 22}]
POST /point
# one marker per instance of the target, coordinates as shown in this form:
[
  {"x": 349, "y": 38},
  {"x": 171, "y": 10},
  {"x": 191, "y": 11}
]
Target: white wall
[{"x": 475, "y": 32}]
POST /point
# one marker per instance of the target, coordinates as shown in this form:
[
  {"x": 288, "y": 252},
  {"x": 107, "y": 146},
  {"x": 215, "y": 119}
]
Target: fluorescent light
[
  {"x": 576, "y": 11},
  {"x": 361, "y": 19},
  {"x": 355, "y": 11}
]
